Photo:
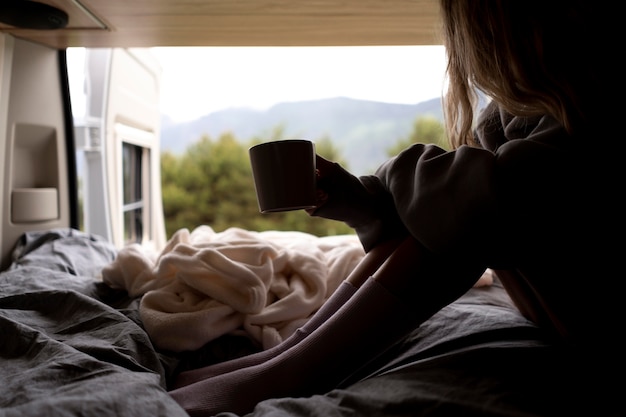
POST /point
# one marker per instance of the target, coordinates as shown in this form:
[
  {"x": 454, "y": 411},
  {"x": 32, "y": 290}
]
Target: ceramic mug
[{"x": 284, "y": 174}]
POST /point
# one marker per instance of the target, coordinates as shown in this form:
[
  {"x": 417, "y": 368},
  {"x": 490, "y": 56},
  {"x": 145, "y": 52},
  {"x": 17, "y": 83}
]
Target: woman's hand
[
  {"x": 340, "y": 195},
  {"x": 323, "y": 169},
  {"x": 362, "y": 203}
]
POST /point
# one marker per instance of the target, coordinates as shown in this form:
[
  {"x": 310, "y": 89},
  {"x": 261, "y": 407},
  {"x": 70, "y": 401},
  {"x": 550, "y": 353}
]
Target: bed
[{"x": 75, "y": 341}]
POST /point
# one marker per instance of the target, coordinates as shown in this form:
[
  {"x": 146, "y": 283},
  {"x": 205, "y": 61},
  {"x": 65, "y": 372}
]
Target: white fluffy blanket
[{"x": 204, "y": 284}]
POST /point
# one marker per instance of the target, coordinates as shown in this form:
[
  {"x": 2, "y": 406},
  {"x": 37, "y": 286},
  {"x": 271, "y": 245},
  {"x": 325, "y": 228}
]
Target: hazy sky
[{"x": 197, "y": 81}]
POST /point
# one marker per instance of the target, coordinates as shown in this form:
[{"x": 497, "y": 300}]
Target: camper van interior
[{"x": 76, "y": 341}]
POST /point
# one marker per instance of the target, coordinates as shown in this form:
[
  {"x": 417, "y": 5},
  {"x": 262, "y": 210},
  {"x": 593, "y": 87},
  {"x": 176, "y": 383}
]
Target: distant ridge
[{"x": 362, "y": 130}]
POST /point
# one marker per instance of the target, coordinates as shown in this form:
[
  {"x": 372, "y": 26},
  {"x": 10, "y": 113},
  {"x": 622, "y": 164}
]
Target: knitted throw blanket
[{"x": 204, "y": 284}]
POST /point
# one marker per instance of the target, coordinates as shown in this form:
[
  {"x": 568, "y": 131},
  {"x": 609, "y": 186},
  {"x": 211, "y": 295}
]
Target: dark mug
[{"x": 284, "y": 174}]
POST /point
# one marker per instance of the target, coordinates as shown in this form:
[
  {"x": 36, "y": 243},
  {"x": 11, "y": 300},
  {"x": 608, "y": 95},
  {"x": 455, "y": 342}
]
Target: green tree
[
  {"x": 211, "y": 184},
  {"x": 426, "y": 129}
]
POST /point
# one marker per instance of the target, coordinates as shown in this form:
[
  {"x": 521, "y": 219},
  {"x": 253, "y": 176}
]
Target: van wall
[
  {"x": 122, "y": 196},
  {"x": 33, "y": 153}
]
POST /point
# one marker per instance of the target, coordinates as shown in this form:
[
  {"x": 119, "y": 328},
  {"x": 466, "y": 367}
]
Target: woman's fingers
[{"x": 323, "y": 167}]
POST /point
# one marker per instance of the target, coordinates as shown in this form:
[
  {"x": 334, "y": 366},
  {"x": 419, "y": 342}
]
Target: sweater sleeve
[
  {"x": 362, "y": 203},
  {"x": 487, "y": 203},
  {"x": 490, "y": 202},
  {"x": 445, "y": 199}
]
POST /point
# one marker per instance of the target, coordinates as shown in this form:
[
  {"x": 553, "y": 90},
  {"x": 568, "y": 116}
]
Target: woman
[{"x": 531, "y": 192}]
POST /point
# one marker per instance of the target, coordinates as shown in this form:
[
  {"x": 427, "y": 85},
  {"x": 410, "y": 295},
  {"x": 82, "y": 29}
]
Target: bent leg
[
  {"x": 376, "y": 317},
  {"x": 368, "y": 265}
]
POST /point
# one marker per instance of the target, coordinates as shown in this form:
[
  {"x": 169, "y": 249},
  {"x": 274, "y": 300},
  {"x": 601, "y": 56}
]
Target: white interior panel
[{"x": 32, "y": 142}]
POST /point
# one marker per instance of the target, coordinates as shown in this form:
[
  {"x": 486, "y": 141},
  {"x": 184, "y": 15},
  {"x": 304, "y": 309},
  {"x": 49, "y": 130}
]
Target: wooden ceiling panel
[{"x": 148, "y": 23}]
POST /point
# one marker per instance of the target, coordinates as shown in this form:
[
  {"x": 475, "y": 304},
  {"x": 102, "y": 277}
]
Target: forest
[{"x": 211, "y": 183}]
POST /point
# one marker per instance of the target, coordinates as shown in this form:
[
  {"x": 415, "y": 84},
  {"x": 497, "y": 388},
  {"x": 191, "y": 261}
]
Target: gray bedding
[{"x": 71, "y": 346}]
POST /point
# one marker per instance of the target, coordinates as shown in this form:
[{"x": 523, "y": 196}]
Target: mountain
[{"x": 362, "y": 130}]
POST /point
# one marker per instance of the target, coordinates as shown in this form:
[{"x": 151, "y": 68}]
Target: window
[
  {"x": 135, "y": 183},
  {"x": 134, "y": 206}
]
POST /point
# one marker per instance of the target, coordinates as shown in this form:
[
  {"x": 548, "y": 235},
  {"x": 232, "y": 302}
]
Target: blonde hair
[{"x": 525, "y": 55}]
